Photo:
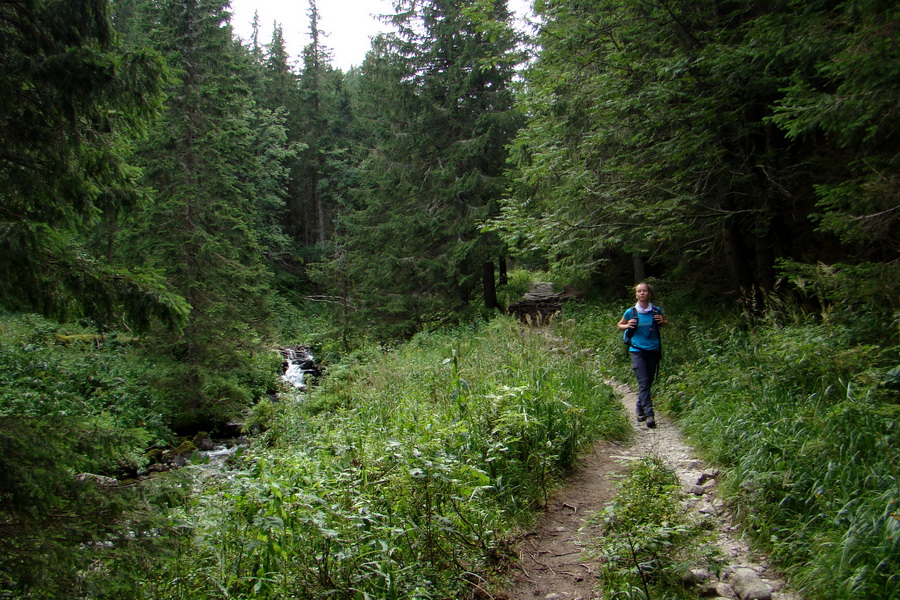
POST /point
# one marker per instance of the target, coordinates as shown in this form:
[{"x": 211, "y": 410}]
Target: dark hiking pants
[{"x": 644, "y": 363}]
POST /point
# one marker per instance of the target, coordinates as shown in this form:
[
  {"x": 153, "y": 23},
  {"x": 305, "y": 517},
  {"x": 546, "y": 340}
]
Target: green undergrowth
[
  {"x": 801, "y": 411},
  {"x": 648, "y": 539},
  {"x": 75, "y": 410},
  {"x": 403, "y": 476},
  {"x": 806, "y": 425}
]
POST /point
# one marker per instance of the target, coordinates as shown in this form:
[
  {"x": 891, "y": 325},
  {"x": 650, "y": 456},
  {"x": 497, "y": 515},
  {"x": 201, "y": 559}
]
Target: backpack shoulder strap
[{"x": 629, "y": 314}]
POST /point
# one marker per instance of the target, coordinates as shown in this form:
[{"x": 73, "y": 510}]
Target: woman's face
[{"x": 642, "y": 293}]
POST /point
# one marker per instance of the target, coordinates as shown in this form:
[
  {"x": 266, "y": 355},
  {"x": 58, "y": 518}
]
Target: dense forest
[{"x": 178, "y": 204}]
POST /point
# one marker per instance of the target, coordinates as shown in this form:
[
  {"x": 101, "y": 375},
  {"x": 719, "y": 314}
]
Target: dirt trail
[{"x": 552, "y": 563}]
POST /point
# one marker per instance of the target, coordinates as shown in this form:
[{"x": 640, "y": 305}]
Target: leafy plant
[
  {"x": 401, "y": 476},
  {"x": 648, "y": 540}
]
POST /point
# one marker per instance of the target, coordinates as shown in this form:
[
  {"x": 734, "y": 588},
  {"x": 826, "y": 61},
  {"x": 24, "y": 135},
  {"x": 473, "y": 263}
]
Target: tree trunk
[
  {"x": 490, "y": 286},
  {"x": 640, "y": 269},
  {"x": 320, "y": 211},
  {"x": 765, "y": 273},
  {"x": 734, "y": 259}
]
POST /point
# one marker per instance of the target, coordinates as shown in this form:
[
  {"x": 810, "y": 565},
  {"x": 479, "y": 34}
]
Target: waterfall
[{"x": 298, "y": 363}]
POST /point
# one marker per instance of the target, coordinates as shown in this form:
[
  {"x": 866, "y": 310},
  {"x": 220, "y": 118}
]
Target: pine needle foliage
[
  {"x": 213, "y": 179},
  {"x": 71, "y": 104},
  {"x": 437, "y": 97}
]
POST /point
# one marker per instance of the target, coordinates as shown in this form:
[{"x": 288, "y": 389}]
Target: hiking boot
[
  {"x": 641, "y": 418},
  {"x": 651, "y": 423}
]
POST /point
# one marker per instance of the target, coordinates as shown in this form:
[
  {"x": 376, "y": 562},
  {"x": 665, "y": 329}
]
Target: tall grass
[
  {"x": 802, "y": 413},
  {"x": 401, "y": 477}
]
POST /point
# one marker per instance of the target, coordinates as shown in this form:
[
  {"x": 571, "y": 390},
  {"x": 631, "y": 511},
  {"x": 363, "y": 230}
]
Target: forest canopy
[{"x": 720, "y": 145}]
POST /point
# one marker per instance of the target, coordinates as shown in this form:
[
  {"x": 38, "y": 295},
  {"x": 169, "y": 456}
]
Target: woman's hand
[{"x": 630, "y": 324}]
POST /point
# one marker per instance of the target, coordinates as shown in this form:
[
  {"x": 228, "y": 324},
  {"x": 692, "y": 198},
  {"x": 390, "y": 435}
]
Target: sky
[{"x": 348, "y": 24}]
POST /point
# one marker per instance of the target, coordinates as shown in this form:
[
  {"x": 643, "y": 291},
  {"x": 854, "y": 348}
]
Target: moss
[
  {"x": 186, "y": 447},
  {"x": 154, "y": 456}
]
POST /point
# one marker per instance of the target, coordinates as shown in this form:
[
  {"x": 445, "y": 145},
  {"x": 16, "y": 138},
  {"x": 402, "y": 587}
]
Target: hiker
[{"x": 641, "y": 325}]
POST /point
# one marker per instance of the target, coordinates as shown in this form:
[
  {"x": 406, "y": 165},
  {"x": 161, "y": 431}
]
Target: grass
[{"x": 402, "y": 476}]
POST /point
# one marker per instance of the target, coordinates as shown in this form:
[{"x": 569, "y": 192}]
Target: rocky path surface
[{"x": 553, "y": 563}]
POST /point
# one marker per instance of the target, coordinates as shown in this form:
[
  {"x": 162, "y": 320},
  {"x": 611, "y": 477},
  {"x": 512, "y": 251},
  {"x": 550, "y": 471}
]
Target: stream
[{"x": 299, "y": 364}]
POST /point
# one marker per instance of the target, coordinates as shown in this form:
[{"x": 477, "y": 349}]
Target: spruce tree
[
  {"x": 438, "y": 100},
  {"x": 280, "y": 92},
  {"x": 701, "y": 135},
  {"x": 322, "y": 121},
  {"x": 843, "y": 98},
  {"x": 70, "y": 103},
  {"x": 202, "y": 227},
  {"x": 273, "y": 86}
]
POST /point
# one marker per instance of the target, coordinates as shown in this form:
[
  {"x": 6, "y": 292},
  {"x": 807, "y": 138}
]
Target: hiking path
[{"x": 554, "y": 562}]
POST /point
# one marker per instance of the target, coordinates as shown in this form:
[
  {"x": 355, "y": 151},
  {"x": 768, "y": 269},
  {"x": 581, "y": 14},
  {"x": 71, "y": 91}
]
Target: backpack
[{"x": 630, "y": 332}]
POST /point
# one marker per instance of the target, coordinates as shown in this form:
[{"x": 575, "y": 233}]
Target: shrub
[{"x": 648, "y": 541}]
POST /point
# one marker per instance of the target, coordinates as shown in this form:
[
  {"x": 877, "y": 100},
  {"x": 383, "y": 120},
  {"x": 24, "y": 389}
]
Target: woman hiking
[{"x": 641, "y": 324}]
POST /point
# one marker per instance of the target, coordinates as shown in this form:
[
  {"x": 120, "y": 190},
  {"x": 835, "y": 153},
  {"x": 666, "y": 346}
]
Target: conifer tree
[
  {"x": 843, "y": 98},
  {"x": 315, "y": 59},
  {"x": 704, "y": 134},
  {"x": 202, "y": 229},
  {"x": 437, "y": 97},
  {"x": 647, "y": 139},
  {"x": 70, "y": 102},
  {"x": 322, "y": 123},
  {"x": 279, "y": 92}
]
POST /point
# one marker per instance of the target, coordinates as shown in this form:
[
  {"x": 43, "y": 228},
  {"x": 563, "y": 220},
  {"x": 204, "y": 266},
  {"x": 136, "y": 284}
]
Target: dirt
[
  {"x": 553, "y": 562},
  {"x": 551, "y": 557}
]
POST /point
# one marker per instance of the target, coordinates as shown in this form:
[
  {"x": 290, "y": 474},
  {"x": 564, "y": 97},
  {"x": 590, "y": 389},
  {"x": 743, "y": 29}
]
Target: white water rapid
[{"x": 299, "y": 363}]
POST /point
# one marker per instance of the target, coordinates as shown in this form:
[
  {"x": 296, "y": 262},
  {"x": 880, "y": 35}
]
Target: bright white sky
[{"x": 348, "y": 24}]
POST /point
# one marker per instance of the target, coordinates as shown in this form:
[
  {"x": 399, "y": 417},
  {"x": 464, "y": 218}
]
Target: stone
[
  {"x": 98, "y": 480},
  {"x": 720, "y": 590},
  {"x": 698, "y": 490},
  {"x": 707, "y": 508},
  {"x": 748, "y": 585},
  {"x": 695, "y": 577},
  {"x": 179, "y": 457},
  {"x": 202, "y": 441},
  {"x": 707, "y": 475}
]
